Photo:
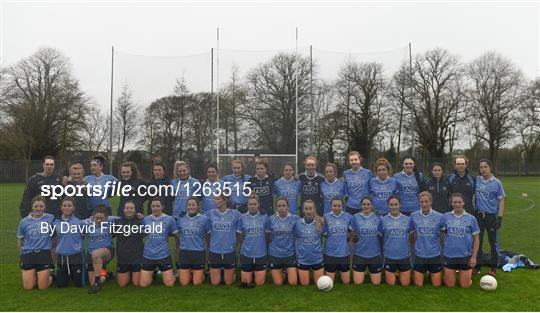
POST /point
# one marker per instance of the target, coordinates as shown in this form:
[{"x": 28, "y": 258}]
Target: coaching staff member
[{"x": 461, "y": 181}]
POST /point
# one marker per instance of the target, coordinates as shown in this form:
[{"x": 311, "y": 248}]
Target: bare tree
[
  {"x": 41, "y": 103},
  {"x": 270, "y": 109},
  {"x": 367, "y": 105},
  {"x": 494, "y": 93},
  {"x": 437, "y": 83},
  {"x": 328, "y": 121},
  {"x": 199, "y": 127},
  {"x": 399, "y": 93},
  {"x": 95, "y": 130},
  {"x": 232, "y": 97},
  {"x": 150, "y": 128},
  {"x": 527, "y": 123},
  {"x": 125, "y": 118}
]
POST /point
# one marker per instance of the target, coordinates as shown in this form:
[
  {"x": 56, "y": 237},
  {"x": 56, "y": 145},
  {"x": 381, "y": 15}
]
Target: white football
[
  {"x": 524, "y": 195},
  {"x": 325, "y": 283},
  {"x": 488, "y": 282}
]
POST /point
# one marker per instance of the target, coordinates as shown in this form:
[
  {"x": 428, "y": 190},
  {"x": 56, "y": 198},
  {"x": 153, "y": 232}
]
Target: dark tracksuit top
[
  {"x": 311, "y": 189},
  {"x": 440, "y": 191},
  {"x": 130, "y": 248},
  {"x": 263, "y": 188},
  {"x": 168, "y": 199},
  {"x": 464, "y": 185},
  {"x": 133, "y": 196},
  {"x": 33, "y": 188}
]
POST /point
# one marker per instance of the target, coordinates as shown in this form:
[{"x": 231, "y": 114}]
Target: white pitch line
[{"x": 533, "y": 204}]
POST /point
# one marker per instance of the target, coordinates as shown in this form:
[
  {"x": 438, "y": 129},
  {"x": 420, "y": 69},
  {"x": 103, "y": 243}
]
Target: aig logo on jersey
[
  {"x": 222, "y": 226},
  {"x": 456, "y": 231},
  {"x": 426, "y": 231},
  {"x": 254, "y": 231},
  {"x": 338, "y": 230},
  {"x": 396, "y": 232},
  {"x": 368, "y": 232},
  {"x": 309, "y": 240}
]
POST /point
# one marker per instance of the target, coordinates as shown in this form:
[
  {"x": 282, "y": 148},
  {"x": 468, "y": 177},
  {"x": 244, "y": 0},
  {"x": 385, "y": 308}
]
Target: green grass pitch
[{"x": 517, "y": 291}]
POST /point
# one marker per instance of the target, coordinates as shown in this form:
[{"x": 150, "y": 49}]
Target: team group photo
[{"x": 179, "y": 156}]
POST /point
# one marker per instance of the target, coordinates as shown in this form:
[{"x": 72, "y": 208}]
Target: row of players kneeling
[{"x": 290, "y": 246}]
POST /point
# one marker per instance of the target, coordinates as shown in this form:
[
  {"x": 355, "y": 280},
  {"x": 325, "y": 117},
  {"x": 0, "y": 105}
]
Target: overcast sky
[{"x": 85, "y": 32}]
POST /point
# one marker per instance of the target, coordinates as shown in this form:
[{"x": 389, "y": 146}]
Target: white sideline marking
[{"x": 533, "y": 204}]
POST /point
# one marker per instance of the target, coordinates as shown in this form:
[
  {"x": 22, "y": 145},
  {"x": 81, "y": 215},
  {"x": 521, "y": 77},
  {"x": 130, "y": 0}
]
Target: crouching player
[
  {"x": 251, "y": 230},
  {"x": 193, "y": 228},
  {"x": 427, "y": 225},
  {"x": 69, "y": 247},
  {"x": 156, "y": 252},
  {"x": 35, "y": 246}
]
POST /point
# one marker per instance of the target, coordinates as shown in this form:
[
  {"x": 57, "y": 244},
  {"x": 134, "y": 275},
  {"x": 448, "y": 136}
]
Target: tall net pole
[
  {"x": 217, "y": 99},
  {"x": 111, "y": 115},
  {"x": 412, "y": 96},
  {"x": 296, "y": 101}
]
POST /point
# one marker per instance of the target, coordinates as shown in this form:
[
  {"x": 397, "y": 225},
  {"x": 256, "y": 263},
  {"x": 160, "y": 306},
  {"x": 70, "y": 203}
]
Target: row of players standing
[{"x": 483, "y": 195}]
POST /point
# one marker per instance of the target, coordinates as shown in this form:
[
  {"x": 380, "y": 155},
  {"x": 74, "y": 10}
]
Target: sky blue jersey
[
  {"x": 193, "y": 231},
  {"x": 487, "y": 194},
  {"x": 254, "y": 228},
  {"x": 380, "y": 192},
  {"x": 100, "y": 236},
  {"x": 459, "y": 230},
  {"x": 69, "y": 234},
  {"x": 395, "y": 232},
  {"x": 97, "y": 194},
  {"x": 336, "y": 228},
  {"x": 281, "y": 230},
  {"x": 223, "y": 230},
  {"x": 308, "y": 245},
  {"x": 427, "y": 229},
  {"x": 367, "y": 229},
  {"x": 237, "y": 184},
  {"x": 289, "y": 189},
  {"x": 409, "y": 191},
  {"x": 35, "y": 232},
  {"x": 331, "y": 190},
  {"x": 207, "y": 200},
  {"x": 183, "y": 190},
  {"x": 156, "y": 246},
  {"x": 357, "y": 186}
]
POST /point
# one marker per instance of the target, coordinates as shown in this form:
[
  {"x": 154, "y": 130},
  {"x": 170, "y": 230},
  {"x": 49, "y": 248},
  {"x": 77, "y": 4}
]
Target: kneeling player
[
  {"x": 427, "y": 225},
  {"x": 282, "y": 260},
  {"x": 461, "y": 243},
  {"x": 396, "y": 229},
  {"x": 336, "y": 229},
  {"x": 129, "y": 246},
  {"x": 69, "y": 247},
  {"x": 252, "y": 233},
  {"x": 193, "y": 229},
  {"x": 156, "y": 253},
  {"x": 35, "y": 246},
  {"x": 309, "y": 251},
  {"x": 367, "y": 250}
]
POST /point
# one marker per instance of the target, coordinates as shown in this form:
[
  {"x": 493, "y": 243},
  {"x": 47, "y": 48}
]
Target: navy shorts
[
  {"x": 39, "y": 260},
  {"x": 333, "y": 264},
  {"x": 374, "y": 264},
  {"x": 457, "y": 263},
  {"x": 393, "y": 266},
  {"x": 275, "y": 263},
  {"x": 128, "y": 268},
  {"x": 221, "y": 260},
  {"x": 423, "y": 265},
  {"x": 253, "y": 264},
  {"x": 313, "y": 267},
  {"x": 190, "y": 259},
  {"x": 90, "y": 262},
  {"x": 163, "y": 265}
]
